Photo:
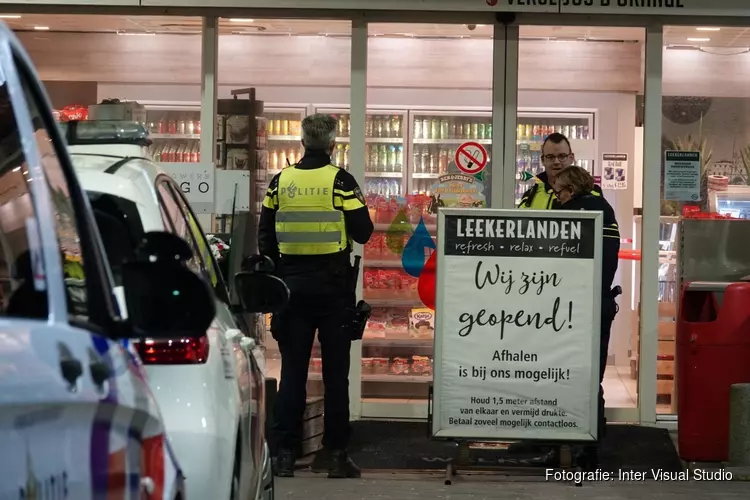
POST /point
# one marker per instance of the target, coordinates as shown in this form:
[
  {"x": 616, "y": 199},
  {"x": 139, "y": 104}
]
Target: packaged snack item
[
  {"x": 380, "y": 366},
  {"x": 398, "y": 323},
  {"x": 421, "y": 365},
  {"x": 400, "y": 366},
  {"x": 387, "y": 281},
  {"x": 376, "y": 325},
  {"x": 373, "y": 248},
  {"x": 382, "y": 213},
  {"x": 369, "y": 279},
  {"x": 366, "y": 366},
  {"x": 422, "y": 323}
]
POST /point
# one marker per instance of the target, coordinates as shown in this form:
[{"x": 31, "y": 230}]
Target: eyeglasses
[
  {"x": 557, "y": 192},
  {"x": 561, "y": 157}
]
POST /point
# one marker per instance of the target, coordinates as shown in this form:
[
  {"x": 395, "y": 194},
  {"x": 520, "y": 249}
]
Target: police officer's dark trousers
[{"x": 295, "y": 330}]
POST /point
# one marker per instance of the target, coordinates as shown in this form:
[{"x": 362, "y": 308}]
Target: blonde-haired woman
[{"x": 574, "y": 188}]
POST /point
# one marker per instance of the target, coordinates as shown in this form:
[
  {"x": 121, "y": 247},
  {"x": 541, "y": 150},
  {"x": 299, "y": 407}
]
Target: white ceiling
[{"x": 673, "y": 35}]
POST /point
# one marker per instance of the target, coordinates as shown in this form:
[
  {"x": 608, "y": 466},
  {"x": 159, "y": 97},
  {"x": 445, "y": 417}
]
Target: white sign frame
[{"x": 589, "y": 434}]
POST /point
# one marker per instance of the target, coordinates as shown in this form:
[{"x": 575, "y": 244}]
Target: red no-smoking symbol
[{"x": 471, "y": 158}]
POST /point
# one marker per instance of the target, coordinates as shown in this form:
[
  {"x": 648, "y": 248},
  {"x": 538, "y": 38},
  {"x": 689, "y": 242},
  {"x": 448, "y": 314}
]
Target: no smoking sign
[{"x": 471, "y": 158}]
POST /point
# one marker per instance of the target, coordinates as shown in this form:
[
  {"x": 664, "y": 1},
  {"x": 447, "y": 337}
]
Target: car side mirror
[
  {"x": 261, "y": 292},
  {"x": 164, "y": 298}
]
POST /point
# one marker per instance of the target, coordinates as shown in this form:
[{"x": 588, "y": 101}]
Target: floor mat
[{"x": 406, "y": 445}]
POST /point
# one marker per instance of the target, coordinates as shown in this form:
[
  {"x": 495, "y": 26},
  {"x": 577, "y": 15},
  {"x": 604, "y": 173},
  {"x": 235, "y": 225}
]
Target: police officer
[
  {"x": 311, "y": 214},
  {"x": 556, "y": 154},
  {"x": 574, "y": 188}
]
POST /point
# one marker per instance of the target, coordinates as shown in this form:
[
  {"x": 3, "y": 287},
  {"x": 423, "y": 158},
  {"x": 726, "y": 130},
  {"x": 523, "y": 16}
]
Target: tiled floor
[{"x": 619, "y": 388}]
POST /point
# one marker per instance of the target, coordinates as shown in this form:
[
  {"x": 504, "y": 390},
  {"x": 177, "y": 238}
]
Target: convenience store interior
[{"x": 429, "y": 90}]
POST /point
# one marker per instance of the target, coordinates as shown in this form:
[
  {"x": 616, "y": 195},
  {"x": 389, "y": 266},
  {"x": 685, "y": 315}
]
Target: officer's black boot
[
  {"x": 285, "y": 463},
  {"x": 341, "y": 466}
]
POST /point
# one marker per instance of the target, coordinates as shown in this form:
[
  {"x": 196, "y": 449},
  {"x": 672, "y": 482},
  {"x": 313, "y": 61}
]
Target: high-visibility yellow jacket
[{"x": 310, "y": 211}]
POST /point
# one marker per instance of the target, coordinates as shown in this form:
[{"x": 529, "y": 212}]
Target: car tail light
[{"x": 185, "y": 351}]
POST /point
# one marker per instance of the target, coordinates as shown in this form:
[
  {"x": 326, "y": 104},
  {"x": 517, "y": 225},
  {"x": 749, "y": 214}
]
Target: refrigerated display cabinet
[
  {"x": 284, "y": 136},
  {"x": 535, "y": 125},
  {"x": 175, "y": 131},
  {"x": 385, "y": 148},
  {"x": 734, "y": 202},
  {"x": 435, "y": 137}
]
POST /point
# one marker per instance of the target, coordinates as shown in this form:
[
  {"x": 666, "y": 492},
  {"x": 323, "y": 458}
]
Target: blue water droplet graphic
[{"x": 415, "y": 254}]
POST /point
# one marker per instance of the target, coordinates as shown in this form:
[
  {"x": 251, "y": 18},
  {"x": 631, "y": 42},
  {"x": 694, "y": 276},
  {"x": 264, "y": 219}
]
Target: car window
[
  {"x": 120, "y": 226},
  {"x": 212, "y": 272},
  {"x": 176, "y": 223},
  {"x": 22, "y": 284},
  {"x": 68, "y": 236}
]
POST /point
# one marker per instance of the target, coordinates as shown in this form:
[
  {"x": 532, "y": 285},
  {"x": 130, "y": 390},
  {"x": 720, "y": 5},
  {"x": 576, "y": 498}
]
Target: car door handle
[
  {"x": 71, "y": 370},
  {"x": 100, "y": 370},
  {"x": 233, "y": 335},
  {"x": 247, "y": 343},
  {"x": 70, "y": 367}
]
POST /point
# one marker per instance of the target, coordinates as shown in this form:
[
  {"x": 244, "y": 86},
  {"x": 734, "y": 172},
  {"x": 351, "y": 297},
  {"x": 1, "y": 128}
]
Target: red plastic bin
[{"x": 713, "y": 353}]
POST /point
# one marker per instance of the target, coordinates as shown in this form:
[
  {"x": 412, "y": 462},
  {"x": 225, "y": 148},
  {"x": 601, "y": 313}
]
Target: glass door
[{"x": 565, "y": 86}]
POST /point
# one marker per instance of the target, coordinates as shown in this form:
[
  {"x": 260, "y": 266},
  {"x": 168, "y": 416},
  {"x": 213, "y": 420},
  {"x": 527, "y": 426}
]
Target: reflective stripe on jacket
[{"x": 309, "y": 217}]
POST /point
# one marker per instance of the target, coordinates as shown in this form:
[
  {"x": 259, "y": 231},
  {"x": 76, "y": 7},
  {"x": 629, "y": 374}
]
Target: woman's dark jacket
[{"x": 611, "y": 247}]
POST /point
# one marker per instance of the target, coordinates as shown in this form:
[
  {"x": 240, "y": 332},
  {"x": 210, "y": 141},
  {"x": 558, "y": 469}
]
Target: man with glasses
[{"x": 556, "y": 155}]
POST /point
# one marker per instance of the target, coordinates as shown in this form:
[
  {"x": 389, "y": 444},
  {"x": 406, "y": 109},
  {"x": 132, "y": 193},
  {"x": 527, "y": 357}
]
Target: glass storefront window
[
  {"x": 597, "y": 116},
  {"x": 258, "y": 53},
  {"x": 412, "y": 139},
  {"x": 706, "y": 113}
]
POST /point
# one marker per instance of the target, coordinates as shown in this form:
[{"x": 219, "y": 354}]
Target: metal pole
[
  {"x": 511, "y": 116},
  {"x": 209, "y": 69},
  {"x": 650, "y": 228},
  {"x": 358, "y": 115}
]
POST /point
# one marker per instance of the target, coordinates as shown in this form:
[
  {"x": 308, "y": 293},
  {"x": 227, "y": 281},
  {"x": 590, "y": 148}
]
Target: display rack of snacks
[
  {"x": 397, "y": 344},
  {"x": 533, "y": 129},
  {"x": 175, "y": 134},
  {"x": 242, "y": 144}
]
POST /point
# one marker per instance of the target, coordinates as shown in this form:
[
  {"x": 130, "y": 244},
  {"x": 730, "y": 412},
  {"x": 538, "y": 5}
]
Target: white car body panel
[{"x": 204, "y": 405}]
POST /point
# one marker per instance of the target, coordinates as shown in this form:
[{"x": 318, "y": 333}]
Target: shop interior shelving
[
  {"x": 284, "y": 144},
  {"x": 175, "y": 131}
]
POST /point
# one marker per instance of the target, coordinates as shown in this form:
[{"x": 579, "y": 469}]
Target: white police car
[
  {"x": 211, "y": 390},
  {"x": 77, "y": 417}
]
